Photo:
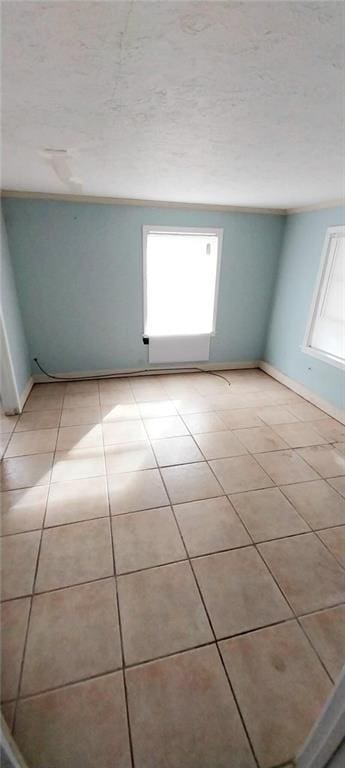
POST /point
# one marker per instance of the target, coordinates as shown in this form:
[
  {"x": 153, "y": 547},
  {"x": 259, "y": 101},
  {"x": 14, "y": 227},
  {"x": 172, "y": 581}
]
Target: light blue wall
[
  {"x": 299, "y": 263},
  {"x": 13, "y": 325},
  {"x": 79, "y": 276}
]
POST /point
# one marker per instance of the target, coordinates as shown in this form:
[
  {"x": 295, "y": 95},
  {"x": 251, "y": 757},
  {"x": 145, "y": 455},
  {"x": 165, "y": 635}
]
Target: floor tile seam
[
  {"x": 327, "y": 549},
  {"x": 294, "y": 614},
  {"x": 20, "y": 679},
  {"x": 112, "y": 544},
  {"x": 201, "y": 597},
  {"x": 162, "y": 657}
]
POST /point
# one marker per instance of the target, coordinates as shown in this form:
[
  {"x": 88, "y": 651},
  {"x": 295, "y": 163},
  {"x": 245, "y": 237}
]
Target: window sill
[{"x": 335, "y": 361}]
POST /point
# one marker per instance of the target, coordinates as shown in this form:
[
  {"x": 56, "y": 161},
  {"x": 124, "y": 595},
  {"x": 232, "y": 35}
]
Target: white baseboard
[
  {"x": 25, "y": 394},
  {"x": 39, "y": 378},
  {"x": 300, "y": 389}
]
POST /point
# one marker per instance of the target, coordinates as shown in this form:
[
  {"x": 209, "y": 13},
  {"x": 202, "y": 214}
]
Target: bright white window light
[
  {"x": 181, "y": 279},
  {"x": 326, "y": 331}
]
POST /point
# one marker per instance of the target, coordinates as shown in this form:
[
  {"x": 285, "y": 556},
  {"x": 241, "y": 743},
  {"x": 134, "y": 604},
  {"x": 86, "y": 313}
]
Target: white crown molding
[
  {"x": 316, "y": 207},
  {"x": 74, "y": 198},
  {"x": 70, "y": 198},
  {"x": 307, "y": 394}
]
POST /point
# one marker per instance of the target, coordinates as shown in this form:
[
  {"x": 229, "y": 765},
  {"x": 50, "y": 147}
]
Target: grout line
[
  {"x": 112, "y": 544},
  {"x": 32, "y": 597},
  {"x": 210, "y": 623}
]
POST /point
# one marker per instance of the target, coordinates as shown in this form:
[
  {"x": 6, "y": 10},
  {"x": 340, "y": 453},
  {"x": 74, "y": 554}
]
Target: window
[
  {"x": 325, "y": 337},
  {"x": 181, "y": 273}
]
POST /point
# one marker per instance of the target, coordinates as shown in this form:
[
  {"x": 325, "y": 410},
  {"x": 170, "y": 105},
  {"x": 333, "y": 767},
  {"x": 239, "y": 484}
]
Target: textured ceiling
[{"x": 238, "y": 103}]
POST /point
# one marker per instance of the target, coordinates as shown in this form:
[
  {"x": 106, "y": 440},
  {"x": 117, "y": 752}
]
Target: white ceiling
[{"x": 237, "y": 103}]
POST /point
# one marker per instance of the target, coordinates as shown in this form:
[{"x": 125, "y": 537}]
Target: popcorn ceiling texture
[{"x": 212, "y": 102}]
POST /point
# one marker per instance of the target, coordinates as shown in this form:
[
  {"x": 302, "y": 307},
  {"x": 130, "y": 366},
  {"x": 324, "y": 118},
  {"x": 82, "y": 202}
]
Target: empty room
[{"x": 172, "y": 389}]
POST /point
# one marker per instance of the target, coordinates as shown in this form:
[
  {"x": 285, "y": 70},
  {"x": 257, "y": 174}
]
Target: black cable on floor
[{"x": 127, "y": 375}]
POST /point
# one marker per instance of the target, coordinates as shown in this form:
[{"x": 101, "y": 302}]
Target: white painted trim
[
  {"x": 323, "y": 356},
  {"x": 101, "y": 200},
  {"x": 9, "y": 390},
  {"x": 328, "y": 732},
  {"x": 9, "y": 746},
  {"x": 322, "y": 280},
  {"x": 155, "y": 370},
  {"x": 217, "y": 231},
  {"x": 141, "y": 203},
  {"x": 339, "y": 203},
  {"x": 307, "y": 394},
  {"x": 25, "y": 394}
]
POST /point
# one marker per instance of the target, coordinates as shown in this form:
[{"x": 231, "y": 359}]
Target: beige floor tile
[
  {"x": 339, "y": 484},
  {"x": 307, "y": 574},
  {"x": 193, "y": 404},
  {"x": 73, "y": 634},
  {"x": 35, "y": 441},
  {"x": 73, "y": 417},
  {"x": 48, "y": 403},
  {"x": 18, "y": 564},
  {"x": 218, "y": 445},
  {"x": 292, "y": 687},
  {"x": 134, "y": 491},
  {"x": 200, "y": 423},
  {"x": 176, "y": 450},
  {"x": 49, "y": 389},
  {"x": 242, "y": 418},
  {"x": 124, "y": 432},
  {"x": 330, "y": 429},
  {"x": 334, "y": 538},
  {"x": 340, "y": 446},
  {"x": 74, "y": 726},
  {"x": 161, "y": 612},
  {"x": 210, "y": 526},
  {"x": 239, "y": 592},
  {"x": 7, "y": 424},
  {"x": 286, "y": 467},
  {"x": 77, "y": 500},
  {"x": 167, "y": 426},
  {"x": 319, "y": 504},
  {"x": 7, "y": 711},
  {"x": 267, "y": 514},
  {"x": 72, "y": 554},
  {"x": 182, "y": 713},
  {"x": 326, "y": 631},
  {"x": 116, "y": 397},
  {"x": 78, "y": 463},
  {"x": 150, "y": 410},
  {"x": 299, "y": 434},
  {"x": 26, "y": 471},
  {"x": 23, "y": 510},
  {"x": 81, "y": 436},
  {"x": 81, "y": 400},
  {"x": 14, "y": 619},
  {"x": 85, "y": 387},
  {"x": 260, "y": 439},
  {"x": 240, "y": 473},
  {"x": 129, "y": 457},
  {"x": 325, "y": 459},
  {"x": 4, "y": 441},
  {"x": 145, "y": 539},
  {"x": 306, "y": 412},
  {"x": 276, "y": 414},
  {"x": 120, "y": 412},
  {"x": 38, "y": 420},
  {"x": 190, "y": 482}
]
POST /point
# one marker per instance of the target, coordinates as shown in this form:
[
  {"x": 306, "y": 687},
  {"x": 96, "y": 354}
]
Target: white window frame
[
  {"x": 218, "y": 232},
  {"x": 318, "y": 296}
]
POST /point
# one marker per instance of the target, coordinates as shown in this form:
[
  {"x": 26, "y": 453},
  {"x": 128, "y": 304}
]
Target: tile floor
[{"x": 173, "y": 571}]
